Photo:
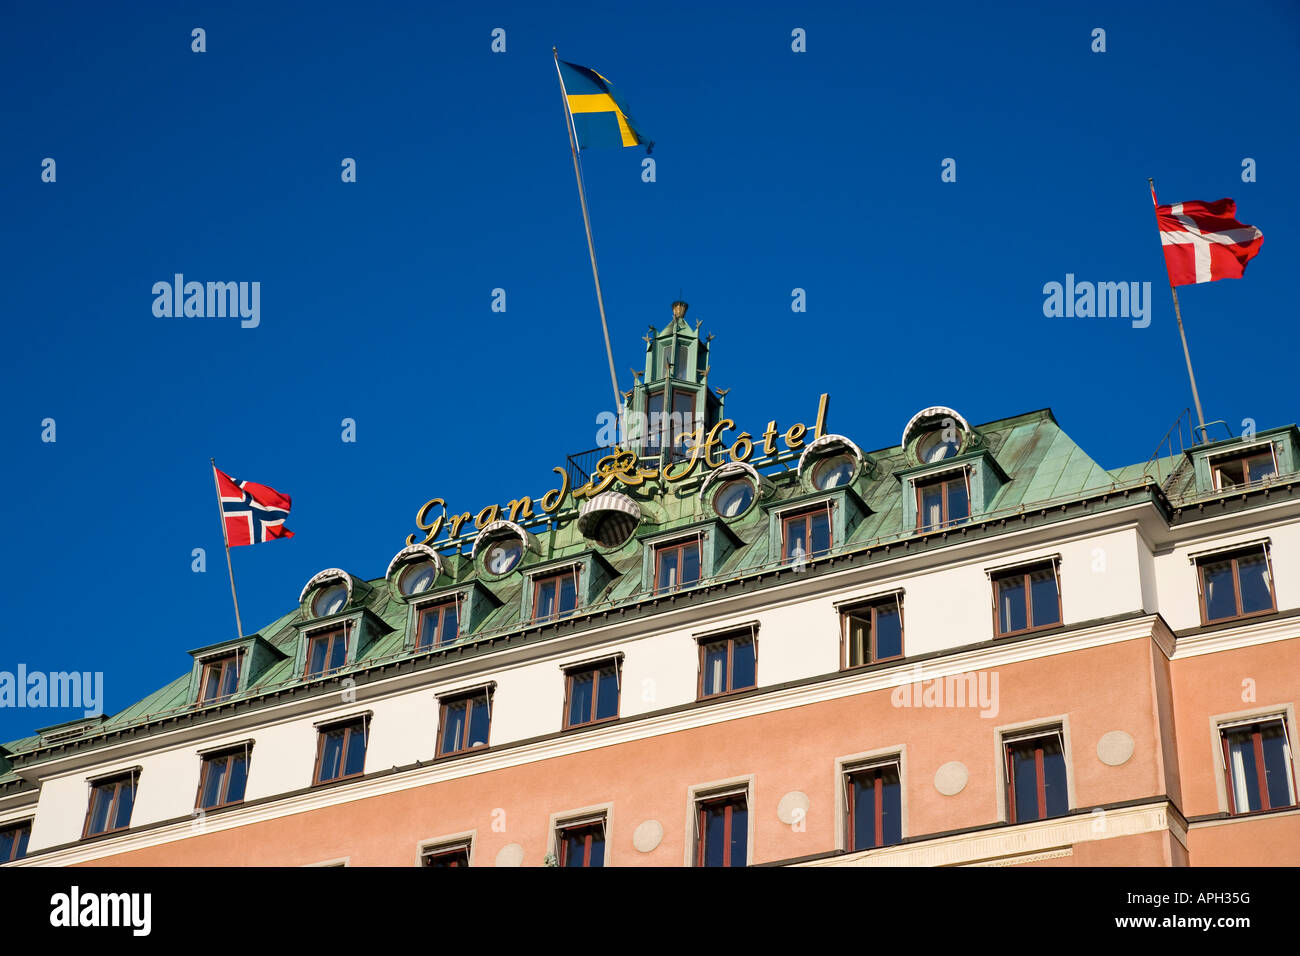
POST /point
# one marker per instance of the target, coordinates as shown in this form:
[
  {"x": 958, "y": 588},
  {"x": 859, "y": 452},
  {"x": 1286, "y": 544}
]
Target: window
[
  {"x": 502, "y": 555},
  {"x": 734, "y": 498},
  {"x": 326, "y": 651},
  {"x": 806, "y": 535},
  {"x": 417, "y": 577},
  {"x": 1259, "y": 765},
  {"x": 555, "y": 596},
  {"x": 833, "y": 472},
  {"x": 591, "y": 694},
  {"x": 219, "y": 678},
  {"x": 222, "y": 779},
  {"x": 1235, "y": 584},
  {"x": 942, "y": 502},
  {"x": 341, "y": 751},
  {"x": 874, "y": 803},
  {"x": 464, "y": 722},
  {"x": 110, "y": 805},
  {"x": 13, "y": 841},
  {"x": 872, "y": 632},
  {"x": 938, "y": 444},
  {"x": 722, "y": 831},
  {"x": 1028, "y": 599},
  {"x": 436, "y": 625},
  {"x": 581, "y": 844},
  {"x": 728, "y": 664},
  {"x": 1243, "y": 469},
  {"x": 1036, "y": 785},
  {"x": 682, "y": 364},
  {"x": 450, "y": 855},
  {"x": 329, "y": 600},
  {"x": 677, "y": 565}
]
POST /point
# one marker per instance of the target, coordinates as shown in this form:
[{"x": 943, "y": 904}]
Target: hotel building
[{"x": 973, "y": 646}]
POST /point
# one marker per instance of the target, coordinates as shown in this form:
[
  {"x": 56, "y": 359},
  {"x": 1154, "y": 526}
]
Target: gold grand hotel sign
[{"x": 622, "y": 466}]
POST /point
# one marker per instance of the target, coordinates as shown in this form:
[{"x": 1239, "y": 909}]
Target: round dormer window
[
  {"x": 833, "y": 472},
  {"x": 329, "y": 600},
  {"x": 503, "y": 555},
  {"x": 937, "y": 445},
  {"x": 417, "y": 578},
  {"x": 734, "y": 498}
]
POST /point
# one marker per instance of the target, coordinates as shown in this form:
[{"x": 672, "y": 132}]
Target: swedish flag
[{"x": 599, "y": 117}]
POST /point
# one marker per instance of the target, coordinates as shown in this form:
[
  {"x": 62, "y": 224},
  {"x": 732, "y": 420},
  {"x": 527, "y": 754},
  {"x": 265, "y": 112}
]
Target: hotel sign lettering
[{"x": 622, "y": 467}]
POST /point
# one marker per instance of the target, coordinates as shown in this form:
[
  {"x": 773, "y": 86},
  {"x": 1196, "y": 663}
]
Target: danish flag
[
  {"x": 252, "y": 513},
  {"x": 1203, "y": 241}
]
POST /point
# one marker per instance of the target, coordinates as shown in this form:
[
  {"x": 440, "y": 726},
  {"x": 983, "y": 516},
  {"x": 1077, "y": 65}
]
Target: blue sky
[{"x": 776, "y": 170}]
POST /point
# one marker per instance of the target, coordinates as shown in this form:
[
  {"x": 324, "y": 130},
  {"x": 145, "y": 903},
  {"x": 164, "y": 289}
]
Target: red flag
[
  {"x": 253, "y": 513},
  {"x": 1203, "y": 241}
]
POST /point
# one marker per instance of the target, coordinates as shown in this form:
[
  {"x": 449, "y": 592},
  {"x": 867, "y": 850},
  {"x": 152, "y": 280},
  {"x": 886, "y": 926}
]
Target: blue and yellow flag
[{"x": 599, "y": 117}]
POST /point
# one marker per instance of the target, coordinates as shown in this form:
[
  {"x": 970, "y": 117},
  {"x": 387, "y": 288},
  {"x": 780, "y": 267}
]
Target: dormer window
[
  {"x": 734, "y": 498},
  {"x": 555, "y": 596},
  {"x": 806, "y": 535},
  {"x": 1245, "y": 469},
  {"x": 937, "y": 445},
  {"x": 437, "y": 625},
  {"x": 327, "y": 650},
  {"x": 833, "y": 472},
  {"x": 329, "y": 600},
  {"x": 942, "y": 502},
  {"x": 677, "y": 565},
  {"x": 502, "y": 556},
  {"x": 220, "y": 678},
  {"x": 417, "y": 578}
]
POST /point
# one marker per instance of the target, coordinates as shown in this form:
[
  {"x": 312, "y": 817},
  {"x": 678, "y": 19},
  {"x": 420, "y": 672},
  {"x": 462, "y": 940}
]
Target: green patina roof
[{"x": 1040, "y": 460}]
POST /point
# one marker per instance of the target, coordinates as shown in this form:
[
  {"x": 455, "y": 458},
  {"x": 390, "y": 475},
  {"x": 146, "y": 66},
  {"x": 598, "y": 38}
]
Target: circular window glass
[
  {"x": 503, "y": 555},
  {"x": 734, "y": 498},
  {"x": 833, "y": 472},
  {"x": 329, "y": 600},
  {"x": 416, "y": 578},
  {"x": 937, "y": 445}
]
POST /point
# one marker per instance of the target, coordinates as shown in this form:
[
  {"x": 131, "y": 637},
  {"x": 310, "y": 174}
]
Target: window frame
[
  {"x": 806, "y": 514},
  {"x": 947, "y": 478},
  {"x": 116, "y": 780},
  {"x": 1216, "y": 464},
  {"x": 1233, "y": 554},
  {"x": 730, "y": 635},
  {"x": 872, "y": 603},
  {"x": 594, "y": 667},
  {"x": 332, "y": 632},
  {"x": 728, "y": 798},
  {"x": 227, "y": 754},
  {"x": 678, "y": 545},
  {"x": 1019, "y": 738},
  {"x": 18, "y": 828},
  {"x": 1023, "y": 572},
  {"x": 561, "y": 843},
  {"x": 434, "y": 850},
  {"x": 877, "y": 766},
  {"x": 572, "y": 573},
  {"x": 439, "y": 606},
  {"x": 236, "y": 658},
  {"x": 347, "y": 725},
  {"x": 471, "y": 696},
  {"x": 1256, "y": 724}
]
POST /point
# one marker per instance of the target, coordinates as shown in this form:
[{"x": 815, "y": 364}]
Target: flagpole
[
  {"x": 586, "y": 220},
  {"x": 239, "y": 627},
  {"x": 1196, "y": 397}
]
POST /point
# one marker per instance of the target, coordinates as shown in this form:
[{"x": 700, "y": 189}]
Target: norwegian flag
[
  {"x": 253, "y": 513},
  {"x": 1203, "y": 241}
]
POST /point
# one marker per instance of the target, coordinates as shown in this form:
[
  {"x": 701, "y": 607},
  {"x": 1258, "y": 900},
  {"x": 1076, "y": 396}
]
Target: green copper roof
[{"x": 1039, "y": 460}]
